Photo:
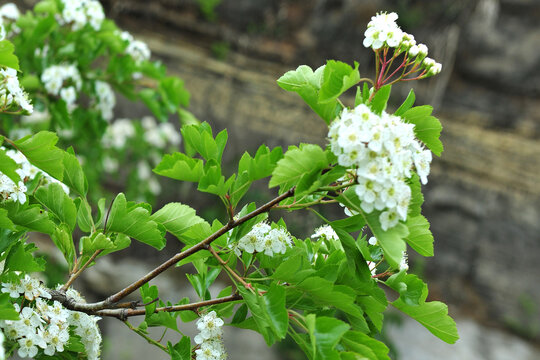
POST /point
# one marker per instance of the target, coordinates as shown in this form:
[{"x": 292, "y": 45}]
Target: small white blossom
[{"x": 326, "y": 231}]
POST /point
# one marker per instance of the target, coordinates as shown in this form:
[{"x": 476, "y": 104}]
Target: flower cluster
[
  {"x": 78, "y": 13},
  {"x": 11, "y": 93},
  {"x": 63, "y": 80},
  {"x": 325, "y": 231},
  {"x": 384, "y": 152},
  {"x": 209, "y": 339},
  {"x": 137, "y": 49},
  {"x": 105, "y": 99},
  {"x": 383, "y": 31},
  {"x": 11, "y": 191},
  {"x": 47, "y": 326},
  {"x": 262, "y": 238}
]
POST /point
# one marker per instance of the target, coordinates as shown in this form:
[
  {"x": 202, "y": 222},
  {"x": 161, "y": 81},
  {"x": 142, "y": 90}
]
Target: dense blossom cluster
[
  {"x": 11, "y": 191},
  {"x": 383, "y": 31},
  {"x": 209, "y": 338},
  {"x": 63, "y": 80},
  {"x": 78, "y": 13},
  {"x": 383, "y": 151},
  {"x": 263, "y": 238},
  {"x": 137, "y": 49},
  {"x": 47, "y": 326},
  {"x": 11, "y": 94}
]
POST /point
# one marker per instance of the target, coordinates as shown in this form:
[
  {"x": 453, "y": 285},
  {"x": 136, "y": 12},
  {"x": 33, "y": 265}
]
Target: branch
[
  {"x": 123, "y": 314},
  {"x": 113, "y": 299}
]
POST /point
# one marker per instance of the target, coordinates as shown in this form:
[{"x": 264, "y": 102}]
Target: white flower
[
  {"x": 388, "y": 219},
  {"x": 106, "y": 100},
  {"x": 326, "y": 231},
  {"x": 28, "y": 346},
  {"x": 33, "y": 289},
  {"x": 10, "y": 11},
  {"x": 210, "y": 325},
  {"x": 14, "y": 289},
  {"x": 372, "y": 241},
  {"x": 403, "y": 264}
]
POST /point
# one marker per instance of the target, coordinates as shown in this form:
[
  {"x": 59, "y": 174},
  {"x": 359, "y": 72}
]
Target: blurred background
[{"x": 483, "y": 195}]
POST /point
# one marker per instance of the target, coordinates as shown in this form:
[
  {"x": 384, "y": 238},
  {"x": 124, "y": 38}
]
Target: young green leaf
[
  {"x": 179, "y": 166},
  {"x": 296, "y": 163},
  {"x": 338, "y": 77},
  {"x": 420, "y": 237},
  {"x": 31, "y": 217},
  {"x": 325, "y": 333},
  {"x": 58, "y": 203},
  {"x": 73, "y": 174},
  {"x": 7, "y": 58},
  {"x": 380, "y": 100},
  {"x": 180, "y": 351},
  {"x": 307, "y": 83},
  {"x": 41, "y": 151},
  {"x": 177, "y": 218},
  {"x": 8, "y": 167},
  {"x": 427, "y": 128},
  {"x": 134, "y": 221},
  {"x": 365, "y": 346},
  {"x": 20, "y": 258},
  {"x": 407, "y": 104}
]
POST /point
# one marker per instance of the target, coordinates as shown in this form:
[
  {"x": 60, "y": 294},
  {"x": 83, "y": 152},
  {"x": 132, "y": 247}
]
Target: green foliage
[
  {"x": 427, "y": 128},
  {"x": 7, "y": 58},
  {"x": 337, "y": 78},
  {"x": 41, "y": 151}
]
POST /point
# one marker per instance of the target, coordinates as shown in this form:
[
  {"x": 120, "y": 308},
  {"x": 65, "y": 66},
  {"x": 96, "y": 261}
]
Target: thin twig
[
  {"x": 73, "y": 277},
  {"x": 146, "y": 337},
  {"x": 229, "y": 270}
]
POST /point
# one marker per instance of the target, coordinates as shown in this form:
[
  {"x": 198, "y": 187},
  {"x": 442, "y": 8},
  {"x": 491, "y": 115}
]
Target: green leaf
[
  {"x": 338, "y": 77},
  {"x": 21, "y": 259},
  {"x": 63, "y": 240},
  {"x": 173, "y": 93},
  {"x": 179, "y": 166},
  {"x": 213, "y": 182},
  {"x": 58, "y": 203},
  {"x": 391, "y": 241},
  {"x": 84, "y": 215},
  {"x": 239, "y": 188},
  {"x": 177, "y": 218},
  {"x": 420, "y": 237},
  {"x": 427, "y": 128},
  {"x": 5, "y": 222},
  {"x": 380, "y": 99},
  {"x": 73, "y": 174},
  {"x": 7, "y": 310},
  {"x": 434, "y": 317},
  {"x": 307, "y": 83},
  {"x": 410, "y": 287},
  {"x": 41, "y": 152},
  {"x": 417, "y": 198},
  {"x": 134, "y": 221},
  {"x": 182, "y": 350},
  {"x": 98, "y": 241},
  {"x": 199, "y": 138},
  {"x": 262, "y": 164},
  {"x": 7, "y": 58},
  {"x": 151, "y": 99},
  {"x": 407, "y": 104},
  {"x": 8, "y": 167},
  {"x": 365, "y": 346},
  {"x": 297, "y": 162},
  {"x": 30, "y": 217},
  {"x": 325, "y": 333}
]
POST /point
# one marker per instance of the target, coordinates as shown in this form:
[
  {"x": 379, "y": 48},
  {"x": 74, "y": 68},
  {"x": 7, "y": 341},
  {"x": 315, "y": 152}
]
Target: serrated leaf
[
  {"x": 296, "y": 163},
  {"x": 420, "y": 237},
  {"x": 5, "y": 222},
  {"x": 417, "y": 198},
  {"x": 84, "y": 215},
  {"x": 325, "y": 333},
  {"x": 177, "y": 218},
  {"x": 434, "y": 317},
  {"x": 199, "y": 138},
  {"x": 409, "y": 286},
  {"x": 365, "y": 346},
  {"x": 63, "y": 240},
  {"x": 8, "y": 167},
  {"x": 306, "y": 83},
  {"x": 338, "y": 77},
  {"x": 7, "y": 57},
  {"x": 58, "y": 203},
  {"x": 179, "y": 166},
  {"x": 31, "y": 217},
  {"x": 391, "y": 241},
  {"x": 40, "y": 150},
  {"x": 180, "y": 351},
  {"x": 135, "y": 222},
  {"x": 427, "y": 128},
  {"x": 380, "y": 99},
  {"x": 7, "y": 310},
  {"x": 20, "y": 259},
  {"x": 262, "y": 164}
]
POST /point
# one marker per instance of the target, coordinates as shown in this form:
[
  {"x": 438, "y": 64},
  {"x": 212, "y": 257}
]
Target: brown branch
[
  {"x": 110, "y": 302},
  {"x": 73, "y": 277},
  {"x": 229, "y": 270},
  {"x": 123, "y": 314}
]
